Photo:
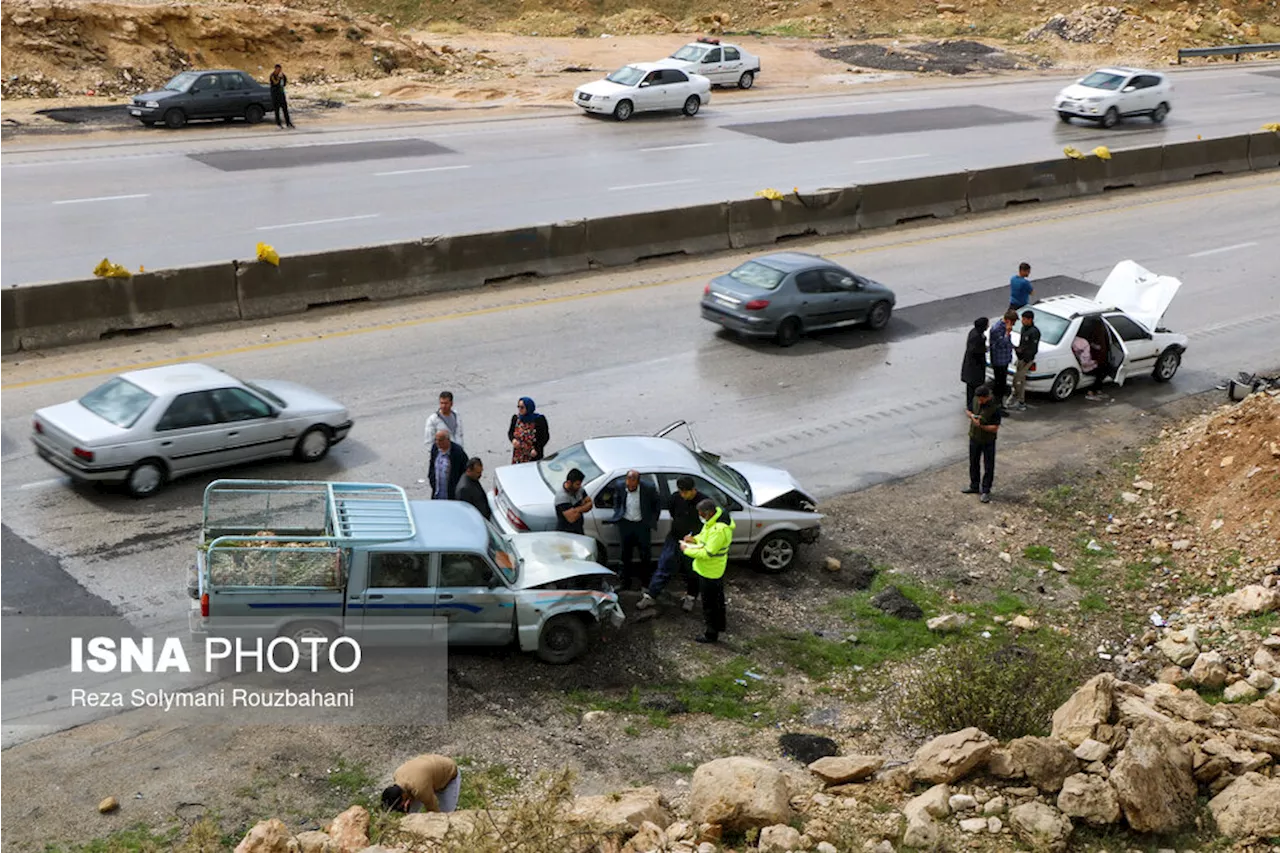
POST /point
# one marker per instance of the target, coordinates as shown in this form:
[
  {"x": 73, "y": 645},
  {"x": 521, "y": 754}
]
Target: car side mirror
[
  {"x": 1128, "y": 88},
  {"x": 734, "y": 506},
  {"x": 195, "y": 90},
  {"x": 644, "y": 84},
  {"x": 275, "y": 413}
]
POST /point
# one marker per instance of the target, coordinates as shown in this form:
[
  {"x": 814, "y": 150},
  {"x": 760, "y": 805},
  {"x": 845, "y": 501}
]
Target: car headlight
[
  {"x": 1094, "y": 100},
  {"x": 152, "y": 105},
  {"x": 604, "y": 97}
]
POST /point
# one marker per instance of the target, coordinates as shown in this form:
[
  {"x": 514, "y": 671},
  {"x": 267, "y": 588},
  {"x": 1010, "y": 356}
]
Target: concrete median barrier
[
  {"x": 996, "y": 189},
  {"x": 1264, "y": 150},
  {"x": 1136, "y": 167},
  {"x": 472, "y": 260},
  {"x": 618, "y": 240},
  {"x": 1186, "y": 161},
  {"x": 763, "y": 222},
  {"x": 892, "y": 203}
]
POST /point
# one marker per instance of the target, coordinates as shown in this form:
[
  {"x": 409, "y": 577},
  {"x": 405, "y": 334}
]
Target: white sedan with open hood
[
  {"x": 1114, "y": 336},
  {"x": 773, "y": 513},
  {"x": 644, "y": 87}
]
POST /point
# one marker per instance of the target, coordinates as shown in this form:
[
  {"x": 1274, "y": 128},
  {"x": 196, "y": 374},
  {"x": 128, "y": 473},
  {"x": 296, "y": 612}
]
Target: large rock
[
  {"x": 350, "y": 830},
  {"x": 1248, "y": 808},
  {"x": 837, "y": 770},
  {"x": 1040, "y": 826},
  {"x": 1046, "y": 761},
  {"x": 739, "y": 793},
  {"x": 269, "y": 836},
  {"x": 312, "y": 841},
  {"x": 650, "y": 837},
  {"x": 949, "y": 758},
  {"x": 923, "y": 831},
  {"x": 624, "y": 811},
  {"x": 438, "y": 826},
  {"x": 1265, "y": 660},
  {"x": 1090, "y": 798},
  {"x": 1179, "y": 648},
  {"x": 779, "y": 838},
  {"x": 1252, "y": 600},
  {"x": 1089, "y": 707},
  {"x": 1209, "y": 670},
  {"x": 1152, "y": 777}
]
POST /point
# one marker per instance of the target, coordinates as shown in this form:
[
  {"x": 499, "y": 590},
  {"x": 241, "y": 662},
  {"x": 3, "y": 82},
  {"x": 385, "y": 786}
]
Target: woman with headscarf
[
  {"x": 528, "y": 433},
  {"x": 973, "y": 371}
]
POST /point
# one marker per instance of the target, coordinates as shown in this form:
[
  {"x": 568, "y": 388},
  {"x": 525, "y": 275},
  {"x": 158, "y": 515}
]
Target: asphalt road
[
  {"x": 624, "y": 352},
  {"x": 204, "y": 194}
]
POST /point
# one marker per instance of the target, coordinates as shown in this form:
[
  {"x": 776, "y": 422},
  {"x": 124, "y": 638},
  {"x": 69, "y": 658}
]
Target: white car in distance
[
  {"x": 1110, "y": 94},
  {"x": 722, "y": 64},
  {"x": 644, "y": 87}
]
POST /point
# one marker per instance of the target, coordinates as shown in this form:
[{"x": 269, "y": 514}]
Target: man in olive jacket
[
  {"x": 427, "y": 783},
  {"x": 710, "y": 552}
]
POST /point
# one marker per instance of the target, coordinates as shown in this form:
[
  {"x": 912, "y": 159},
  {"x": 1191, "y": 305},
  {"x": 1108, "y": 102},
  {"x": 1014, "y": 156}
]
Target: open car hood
[
  {"x": 768, "y": 483},
  {"x": 550, "y": 557},
  {"x": 1138, "y": 292}
]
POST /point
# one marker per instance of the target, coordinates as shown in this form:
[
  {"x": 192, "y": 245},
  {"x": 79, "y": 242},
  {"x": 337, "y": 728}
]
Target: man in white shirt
[
  {"x": 635, "y": 511},
  {"x": 444, "y": 418}
]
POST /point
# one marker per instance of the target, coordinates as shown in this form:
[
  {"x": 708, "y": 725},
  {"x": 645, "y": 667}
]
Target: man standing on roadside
[
  {"x": 635, "y": 511},
  {"x": 983, "y": 426},
  {"x": 684, "y": 522},
  {"x": 446, "y": 467},
  {"x": 710, "y": 552},
  {"x": 445, "y": 418},
  {"x": 1001, "y": 355},
  {"x": 1028, "y": 348},
  {"x": 1020, "y": 288},
  {"x": 279, "y": 100},
  {"x": 470, "y": 490},
  {"x": 973, "y": 370},
  {"x": 572, "y": 503}
]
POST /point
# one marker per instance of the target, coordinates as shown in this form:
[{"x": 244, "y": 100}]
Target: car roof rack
[{"x": 352, "y": 513}]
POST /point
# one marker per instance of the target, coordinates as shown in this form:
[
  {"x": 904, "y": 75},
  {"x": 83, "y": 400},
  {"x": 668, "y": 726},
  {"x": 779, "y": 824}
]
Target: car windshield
[
  {"x": 1103, "y": 80},
  {"x": 723, "y": 474},
  {"x": 1051, "y": 326},
  {"x": 119, "y": 402},
  {"x": 755, "y": 274},
  {"x": 627, "y": 75},
  {"x": 690, "y": 53},
  {"x": 503, "y": 554},
  {"x": 182, "y": 82},
  {"x": 556, "y": 467},
  {"x": 265, "y": 393}
]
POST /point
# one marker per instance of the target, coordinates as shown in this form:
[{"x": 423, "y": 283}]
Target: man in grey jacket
[{"x": 444, "y": 418}]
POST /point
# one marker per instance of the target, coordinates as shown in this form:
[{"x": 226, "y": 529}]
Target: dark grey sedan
[
  {"x": 787, "y": 294},
  {"x": 194, "y": 95}
]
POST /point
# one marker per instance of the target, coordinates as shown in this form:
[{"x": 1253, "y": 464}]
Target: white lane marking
[
  {"x": 40, "y": 484},
  {"x": 317, "y": 222},
  {"x": 891, "y": 159},
  {"x": 101, "y": 198},
  {"x": 655, "y": 184},
  {"x": 677, "y": 147},
  {"x": 1221, "y": 249},
  {"x": 419, "y": 171}
]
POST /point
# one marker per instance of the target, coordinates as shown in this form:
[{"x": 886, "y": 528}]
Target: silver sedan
[
  {"x": 145, "y": 427},
  {"x": 772, "y": 512}
]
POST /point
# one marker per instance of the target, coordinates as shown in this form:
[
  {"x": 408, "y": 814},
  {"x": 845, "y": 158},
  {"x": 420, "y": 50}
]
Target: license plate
[{"x": 135, "y": 112}]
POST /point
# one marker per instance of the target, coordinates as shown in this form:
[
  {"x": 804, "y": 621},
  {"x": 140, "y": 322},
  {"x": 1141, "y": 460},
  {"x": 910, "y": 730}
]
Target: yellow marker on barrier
[
  {"x": 1102, "y": 152},
  {"x": 771, "y": 194},
  {"x": 106, "y": 269},
  {"x": 268, "y": 254},
  {"x": 1274, "y": 127},
  {"x": 1073, "y": 153}
]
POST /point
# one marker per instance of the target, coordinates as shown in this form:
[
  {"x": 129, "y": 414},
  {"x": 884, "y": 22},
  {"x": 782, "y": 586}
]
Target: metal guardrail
[{"x": 1227, "y": 50}]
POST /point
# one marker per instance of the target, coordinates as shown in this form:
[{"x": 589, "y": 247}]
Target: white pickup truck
[{"x": 722, "y": 63}]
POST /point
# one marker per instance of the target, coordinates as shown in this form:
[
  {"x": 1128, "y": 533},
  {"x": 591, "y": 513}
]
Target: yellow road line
[{"x": 553, "y": 300}]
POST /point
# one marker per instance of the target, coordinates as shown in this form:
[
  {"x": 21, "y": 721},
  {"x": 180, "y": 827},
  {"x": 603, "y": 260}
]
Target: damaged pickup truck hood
[{"x": 550, "y": 557}]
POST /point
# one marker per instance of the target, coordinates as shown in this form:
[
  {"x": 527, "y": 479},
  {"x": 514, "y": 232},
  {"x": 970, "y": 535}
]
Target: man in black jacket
[
  {"x": 280, "y": 100},
  {"x": 973, "y": 371},
  {"x": 635, "y": 510},
  {"x": 448, "y": 462},
  {"x": 684, "y": 522},
  {"x": 470, "y": 490},
  {"x": 1028, "y": 348}
]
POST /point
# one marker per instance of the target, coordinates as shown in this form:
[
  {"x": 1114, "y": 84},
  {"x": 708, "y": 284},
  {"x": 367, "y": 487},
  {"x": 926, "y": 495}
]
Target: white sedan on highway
[
  {"x": 1115, "y": 335},
  {"x": 644, "y": 87},
  {"x": 722, "y": 64}
]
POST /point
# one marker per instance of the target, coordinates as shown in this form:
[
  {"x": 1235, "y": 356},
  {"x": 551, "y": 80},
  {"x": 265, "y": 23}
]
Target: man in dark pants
[
  {"x": 973, "y": 370},
  {"x": 684, "y": 522},
  {"x": 983, "y": 426},
  {"x": 470, "y": 490},
  {"x": 1001, "y": 355},
  {"x": 1028, "y": 349},
  {"x": 445, "y": 469},
  {"x": 710, "y": 552},
  {"x": 635, "y": 510},
  {"x": 278, "y": 98}
]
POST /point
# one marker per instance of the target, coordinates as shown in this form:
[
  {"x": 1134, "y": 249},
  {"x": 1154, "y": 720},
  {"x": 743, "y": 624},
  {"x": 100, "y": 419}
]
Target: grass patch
[
  {"x": 682, "y": 768},
  {"x": 1260, "y": 624},
  {"x": 1038, "y": 554},
  {"x": 204, "y": 836},
  {"x": 352, "y": 782},
  {"x": 726, "y": 692},
  {"x": 483, "y": 786},
  {"x": 1094, "y": 603},
  {"x": 1006, "y": 604}
]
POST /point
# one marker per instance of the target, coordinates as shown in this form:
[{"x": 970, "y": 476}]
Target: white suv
[{"x": 1109, "y": 94}]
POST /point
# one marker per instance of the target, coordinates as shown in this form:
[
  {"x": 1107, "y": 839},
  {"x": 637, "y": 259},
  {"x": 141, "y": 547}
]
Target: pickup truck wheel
[
  {"x": 1167, "y": 365},
  {"x": 564, "y": 638},
  {"x": 747, "y": 80},
  {"x": 145, "y": 478},
  {"x": 313, "y": 446},
  {"x": 776, "y": 552},
  {"x": 254, "y": 113},
  {"x": 175, "y": 118},
  {"x": 300, "y": 631}
]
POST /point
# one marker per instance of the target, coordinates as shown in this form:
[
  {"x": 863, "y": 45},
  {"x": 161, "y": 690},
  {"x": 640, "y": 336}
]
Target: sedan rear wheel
[
  {"x": 1064, "y": 385},
  {"x": 313, "y": 446},
  {"x": 747, "y": 80},
  {"x": 175, "y": 118},
  {"x": 776, "y": 552},
  {"x": 878, "y": 318},
  {"x": 145, "y": 478},
  {"x": 691, "y": 105},
  {"x": 623, "y": 110},
  {"x": 788, "y": 332}
]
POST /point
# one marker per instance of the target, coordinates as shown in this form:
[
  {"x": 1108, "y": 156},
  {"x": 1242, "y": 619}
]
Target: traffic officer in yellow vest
[{"x": 710, "y": 552}]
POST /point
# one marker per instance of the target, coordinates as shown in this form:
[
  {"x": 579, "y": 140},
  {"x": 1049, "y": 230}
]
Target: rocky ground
[{"x": 1141, "y": 547}]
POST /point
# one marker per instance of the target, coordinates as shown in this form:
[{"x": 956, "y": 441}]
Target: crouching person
[{"x": 428, "y": 783}]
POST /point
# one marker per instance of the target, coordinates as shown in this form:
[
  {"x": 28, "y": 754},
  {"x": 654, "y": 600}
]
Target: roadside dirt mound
[{"x": 60, "y": 49}]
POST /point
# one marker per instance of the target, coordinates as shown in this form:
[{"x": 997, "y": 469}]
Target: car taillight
[
  {"x": 38, "y": 427},
  {"x": 1032, "y": 369},
  {"x": 86, "y": 455},
  {"x": 516, "y": 521},
  {"x": 757, "y": 304},
  {"x": 204, "y": 606},
  {"x": 706, "y": 291}
]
